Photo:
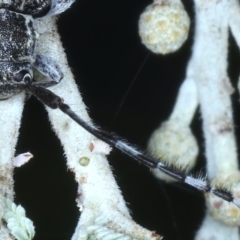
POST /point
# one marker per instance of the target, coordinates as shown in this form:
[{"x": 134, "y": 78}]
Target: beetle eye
[{"x": 23, "y": 76}]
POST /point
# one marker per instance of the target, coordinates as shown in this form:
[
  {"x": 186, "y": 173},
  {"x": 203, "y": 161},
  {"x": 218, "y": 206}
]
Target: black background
[{"x": 106, "y": 55}]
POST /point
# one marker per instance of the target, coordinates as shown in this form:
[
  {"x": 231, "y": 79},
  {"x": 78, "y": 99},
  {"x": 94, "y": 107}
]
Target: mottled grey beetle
[{"x": 17, "y": 44}]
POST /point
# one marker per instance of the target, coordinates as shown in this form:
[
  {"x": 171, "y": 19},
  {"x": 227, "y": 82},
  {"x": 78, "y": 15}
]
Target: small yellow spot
[
  {"x": 175, "y": 36},
  {"x": 162, "y": 25},
  {"x": 151, "y": 39},
  {"x": 147, "y": 19},
  {"x": 84, "y": 161},
  {"x": 175, "y": 17},
  {"x": 185, "y": 30},
  {"x": 235, "y": 212}
]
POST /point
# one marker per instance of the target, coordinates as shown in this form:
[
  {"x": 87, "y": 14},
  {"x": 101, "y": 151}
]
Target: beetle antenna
[{"x": 53, "y": 101}]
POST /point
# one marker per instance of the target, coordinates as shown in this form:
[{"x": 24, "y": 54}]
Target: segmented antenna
[{"x": 53, "y": 101}]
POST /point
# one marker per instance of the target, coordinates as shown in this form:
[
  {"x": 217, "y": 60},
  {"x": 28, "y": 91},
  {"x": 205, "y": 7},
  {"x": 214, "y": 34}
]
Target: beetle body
[
  {"x": 17, "y": 46},
  {"x": 18, "y": 39}
]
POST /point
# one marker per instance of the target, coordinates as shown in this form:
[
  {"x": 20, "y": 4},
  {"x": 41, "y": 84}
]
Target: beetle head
[{"x": 13, "y": 78}]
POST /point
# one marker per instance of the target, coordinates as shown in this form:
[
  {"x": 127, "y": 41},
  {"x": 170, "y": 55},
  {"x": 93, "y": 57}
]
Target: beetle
[{"x": 18, "y": 43}]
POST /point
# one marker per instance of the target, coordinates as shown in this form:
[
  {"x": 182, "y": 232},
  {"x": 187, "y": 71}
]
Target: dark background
[{"x": 106, "y": 55}]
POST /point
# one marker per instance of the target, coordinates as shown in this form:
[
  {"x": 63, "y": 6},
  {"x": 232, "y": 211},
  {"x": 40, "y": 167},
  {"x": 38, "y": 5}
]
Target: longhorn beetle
[{"x": 18, "y": 58}]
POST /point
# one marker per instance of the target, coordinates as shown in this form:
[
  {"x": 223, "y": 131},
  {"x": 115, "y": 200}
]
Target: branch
[{"x": 103, "y": 210}]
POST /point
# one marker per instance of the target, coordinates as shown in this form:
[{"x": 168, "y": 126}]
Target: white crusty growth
[{"x": 207, "y": 84}]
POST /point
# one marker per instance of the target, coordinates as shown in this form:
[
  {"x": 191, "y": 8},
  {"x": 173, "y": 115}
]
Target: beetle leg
[
  {"x": 49, "y": 68},
  {"x": 59, "y": 6}
]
